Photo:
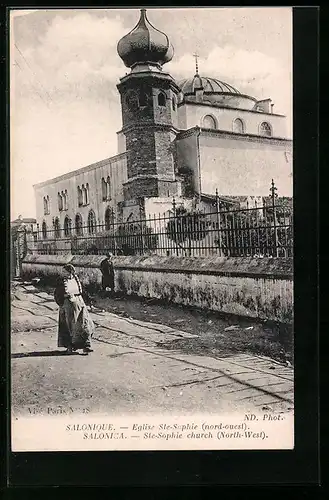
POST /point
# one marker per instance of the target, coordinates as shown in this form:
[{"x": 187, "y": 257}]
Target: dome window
[
  {"x": 209, "y": 122},
  {"x": 238, "y": 126},
  {"x": 265, "y": 129},
  {"x": 162, "y": 100}
]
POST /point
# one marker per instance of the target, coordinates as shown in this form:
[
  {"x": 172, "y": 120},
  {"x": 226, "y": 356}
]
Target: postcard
[{"x": 151, "y": 229}]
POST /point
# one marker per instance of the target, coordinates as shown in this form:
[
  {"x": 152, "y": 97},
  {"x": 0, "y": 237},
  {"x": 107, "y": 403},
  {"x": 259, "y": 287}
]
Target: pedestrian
[
  {"x": 75, "y": 326},
  {"x": 107, "y": 270}
]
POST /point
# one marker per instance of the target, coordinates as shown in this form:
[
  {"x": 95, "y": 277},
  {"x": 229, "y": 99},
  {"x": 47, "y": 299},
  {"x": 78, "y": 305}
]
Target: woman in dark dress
[
  {"x": 75, "y": 326},
  {"x": 107, "y": 270}
]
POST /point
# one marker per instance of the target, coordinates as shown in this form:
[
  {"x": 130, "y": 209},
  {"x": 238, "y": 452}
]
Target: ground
[{"x": 148, "y": 357}]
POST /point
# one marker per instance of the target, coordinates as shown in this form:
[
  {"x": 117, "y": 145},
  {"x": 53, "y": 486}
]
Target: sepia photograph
[{"x": 151, "y": 165}]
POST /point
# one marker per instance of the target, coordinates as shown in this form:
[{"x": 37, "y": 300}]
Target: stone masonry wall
[{"x": 256, "y": 288}]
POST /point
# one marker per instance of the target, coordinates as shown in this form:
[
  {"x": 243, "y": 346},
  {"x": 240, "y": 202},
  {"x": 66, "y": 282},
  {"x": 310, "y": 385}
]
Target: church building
[{"x": 179, "y": 139}]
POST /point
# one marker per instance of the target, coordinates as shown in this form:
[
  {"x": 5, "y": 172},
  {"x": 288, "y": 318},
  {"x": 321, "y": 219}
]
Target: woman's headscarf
[{"x": 69, "y": 268}]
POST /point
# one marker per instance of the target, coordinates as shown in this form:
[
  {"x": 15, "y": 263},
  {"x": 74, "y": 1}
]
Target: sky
[{"x": 64, "y": 67}]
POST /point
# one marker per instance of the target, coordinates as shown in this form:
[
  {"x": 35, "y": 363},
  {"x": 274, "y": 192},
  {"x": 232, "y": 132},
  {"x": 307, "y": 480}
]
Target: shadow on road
[{"x": 38, "y": 354}]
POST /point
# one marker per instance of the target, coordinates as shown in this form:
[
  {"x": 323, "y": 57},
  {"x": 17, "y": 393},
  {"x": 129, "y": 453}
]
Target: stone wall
[{"x": 257, "y": 288}]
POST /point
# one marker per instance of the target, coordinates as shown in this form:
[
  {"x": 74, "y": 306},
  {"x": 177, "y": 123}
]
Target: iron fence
[{"x": 258, "y": 231}]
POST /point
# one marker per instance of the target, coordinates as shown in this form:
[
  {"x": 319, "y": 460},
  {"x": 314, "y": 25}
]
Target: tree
[
  {"x": 135, "y": 238},
  {"x": 187, "y": 226}
]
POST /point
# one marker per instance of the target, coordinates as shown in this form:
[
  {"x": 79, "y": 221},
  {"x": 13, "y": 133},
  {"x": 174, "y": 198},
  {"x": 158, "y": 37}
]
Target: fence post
[
  {"x": 273, "y": 197},
  {"x": 218, "y": 224},
  {"x": 175, "y": 224}
]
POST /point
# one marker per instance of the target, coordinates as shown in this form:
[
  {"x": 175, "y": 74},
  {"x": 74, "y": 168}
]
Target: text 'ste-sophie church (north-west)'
[{"x": 178, "y": 139}]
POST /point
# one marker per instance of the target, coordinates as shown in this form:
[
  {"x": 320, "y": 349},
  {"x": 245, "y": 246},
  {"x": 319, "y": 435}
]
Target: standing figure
[
  {"x": 107, "y": 270},
  {"x": 75, "y": 326}
]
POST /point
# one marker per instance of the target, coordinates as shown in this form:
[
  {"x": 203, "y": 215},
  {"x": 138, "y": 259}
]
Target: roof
[
  {"x": 207, "y": 83},
  {"x": 24, "y": 221},
  {"x": 145, "y": 44}
]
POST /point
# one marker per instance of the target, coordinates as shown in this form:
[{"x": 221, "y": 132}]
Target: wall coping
[{"x": 270, "y": 268}]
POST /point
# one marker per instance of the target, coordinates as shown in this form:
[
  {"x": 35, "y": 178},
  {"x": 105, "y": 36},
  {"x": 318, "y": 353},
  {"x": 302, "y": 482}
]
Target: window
[
  {"x": 173, "y": 102},
  {"x": 46, "y": 209},
  {"x": 85, "y": 194},
  {"x": 132, "y": 101},
  {"x": 108, "y": 188},
  {"x": 44, "y": 230},
  {"x": 65, "y": 196},
  {"x": 80, "y": 197},
  {"x": 143, "y": 98},
  {"x": 162, "y": 99},
  {"x": 67, "y": 227},
  {"x": 238, "y": 126},
  {"x": 109, "y": 218},
  {"x": 60, "y": 202},
  {"x": 78, "y": 225},
  {"x": 104, "y": 189},
  {"x": 209, "y": 122},
  {"x": 57, "y": 228},
  {"x": 265, "y": 129},
  {"x": 91, "y": 222}
]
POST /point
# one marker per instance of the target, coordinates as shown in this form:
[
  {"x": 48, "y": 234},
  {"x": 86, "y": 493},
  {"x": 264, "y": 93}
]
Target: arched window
[
  {"x": 45, "y": 211},
  {"x": 108, "y": 188},
  {"x": 238, "y": 126},
  {"x": 57, "y": 228},
  {"x": 209, "y": 122},
  {"x": 48, "y": 205},
  {"x": 143, "y": 98},
  {"x": 44, "y": 230},
  {"x": 104, "y": 189},
  {"x": 132, "y": 100},
  {"x": 65, "y": 196},
  {"x": 80, "y": 197},
  {"x": 265, "y": 129},
  {"x": 60, "y": 202},
  {"x": 67, "y": 226},
  {"x": 87, "y": 194},
  {"x": 162, "y": 99},
  {"x": 173, "y": 102},
  {"x": 91, "y": 222},
  {"x": 78, "y": 225},
  {"x": 109, "y": 218}
]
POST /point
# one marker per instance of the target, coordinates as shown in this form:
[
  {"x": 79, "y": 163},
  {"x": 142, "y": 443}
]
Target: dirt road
[{"x": 136, "y": 366}]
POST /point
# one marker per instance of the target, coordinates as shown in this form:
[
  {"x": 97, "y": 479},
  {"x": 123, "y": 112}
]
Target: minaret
[{"x": 149, "y": 112}]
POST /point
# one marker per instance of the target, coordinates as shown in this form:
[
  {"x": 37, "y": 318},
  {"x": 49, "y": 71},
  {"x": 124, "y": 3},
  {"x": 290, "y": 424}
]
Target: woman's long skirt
[{"x": 75, "y": 326}]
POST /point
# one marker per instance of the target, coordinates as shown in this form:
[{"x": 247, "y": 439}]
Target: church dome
[
  {"x": 145, "y": 45},
  {"x": 214, "y": 92},
  {"x": 208, "y": 84}
]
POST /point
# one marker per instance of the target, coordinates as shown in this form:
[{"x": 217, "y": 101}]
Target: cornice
[
  {"x": 127, "y": 79},
  {"x": 82, "y": 170},
  {"x": 219, "y": 106},
  {"x": 232, "y": 135},
  {"x": 149, "y": 124}
]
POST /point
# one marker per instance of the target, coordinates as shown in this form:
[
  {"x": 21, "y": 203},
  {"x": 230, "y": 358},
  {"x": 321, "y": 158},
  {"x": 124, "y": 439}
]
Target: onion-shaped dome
[
  {"x": 145, "y": 45},
  {"x": 212, "y": 85}
]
